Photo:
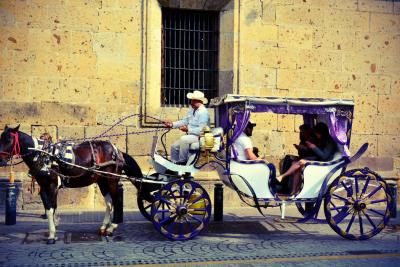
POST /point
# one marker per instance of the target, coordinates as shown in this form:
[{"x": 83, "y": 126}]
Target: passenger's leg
[
  {"x": 295, "y": 182},
  {"x": 185, "y": 143},
  {"x": 295, "y": 166}
]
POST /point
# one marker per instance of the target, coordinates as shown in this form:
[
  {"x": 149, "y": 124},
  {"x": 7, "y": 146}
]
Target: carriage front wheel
[
  {"x": 181, "y": 210},
  {"x": 357, "y": 204}
]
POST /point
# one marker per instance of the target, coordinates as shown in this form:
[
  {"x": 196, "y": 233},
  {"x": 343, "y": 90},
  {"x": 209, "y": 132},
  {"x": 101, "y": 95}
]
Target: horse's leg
[
  {"x": 109, "y": 206},
  {"x": 113, "y": 191},
  {"x": 50, "y": 196},
  {"x": 108, "y": 188}
]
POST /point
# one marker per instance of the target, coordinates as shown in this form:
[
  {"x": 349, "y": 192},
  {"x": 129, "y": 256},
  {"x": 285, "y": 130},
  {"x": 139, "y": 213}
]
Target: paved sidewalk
[{"x": 244, "y": 238}]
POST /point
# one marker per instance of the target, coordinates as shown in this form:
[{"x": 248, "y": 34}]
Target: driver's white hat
[{"x": 198, "y": 96}]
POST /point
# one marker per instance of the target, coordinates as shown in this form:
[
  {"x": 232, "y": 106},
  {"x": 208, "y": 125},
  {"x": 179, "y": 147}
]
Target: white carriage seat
[
  {"x": 315, "y": 172},
  {"x": 257, "y": 174}
]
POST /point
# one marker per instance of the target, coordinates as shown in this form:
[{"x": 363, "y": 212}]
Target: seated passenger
[
  {"x": 243, "y": 144},
  {"x": 293, "y": 182},
  {"x": 324, "y": 149}
]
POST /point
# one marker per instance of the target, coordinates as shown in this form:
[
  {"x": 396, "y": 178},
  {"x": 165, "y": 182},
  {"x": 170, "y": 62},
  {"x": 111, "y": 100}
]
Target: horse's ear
[
  {"x": 5, "y": 127},
  {"x": 13, "y": 129}
]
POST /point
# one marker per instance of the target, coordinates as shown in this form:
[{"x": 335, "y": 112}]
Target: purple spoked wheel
[
  {"x": 144, "y": 206},
  {"x": 145, "y": 196},
  {"x": 181, "y": 210},
  {"x": 357, "y": 204}
]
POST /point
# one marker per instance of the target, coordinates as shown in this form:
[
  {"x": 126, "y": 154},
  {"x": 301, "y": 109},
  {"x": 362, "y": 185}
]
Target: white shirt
[
  {"x": 195, "y": 120},
  {"x": 241, "y": 144}
]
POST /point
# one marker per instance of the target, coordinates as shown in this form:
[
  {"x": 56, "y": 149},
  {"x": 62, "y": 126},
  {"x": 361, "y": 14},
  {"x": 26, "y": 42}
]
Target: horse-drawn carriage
[{"x": 356, "y": 202}]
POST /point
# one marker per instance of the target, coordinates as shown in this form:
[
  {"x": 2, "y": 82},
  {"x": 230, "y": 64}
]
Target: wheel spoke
[
  {"x": 360, "y": 222},
  {"x": 377, "y": 212},
  {"x": 196, "y": 209},
  {"x": 167, "y": 219},
  {"x": 339, "y": 207},
  {"x": 187, "y": 197},
  {"x": 340, "y": 197},
  {"x": 348, "y": 190},
  {"x": 356, "y": 184},
  {"x": 148, "y": 206},
  {"x": 374, "y": 191},
  {"x": 340, "y": 217},
  {"x": 377, "y": 201},
  {"x": 190, "y": 225},
  {"x": 165, "y": 201},
  {"x": 365, "y": 186},
  {"x": 162, "y": 211},
  {"x": 350, "y": 223},
  {"x": 196, "y": 200},
  {"x": 181, "y": 229},
  {"x": 194, "y": 218},
  {"x": 369, "y": 219}
]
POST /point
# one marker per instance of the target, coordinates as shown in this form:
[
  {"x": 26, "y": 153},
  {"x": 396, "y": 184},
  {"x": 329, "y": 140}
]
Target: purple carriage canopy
[{"x": 233, "y": 112}]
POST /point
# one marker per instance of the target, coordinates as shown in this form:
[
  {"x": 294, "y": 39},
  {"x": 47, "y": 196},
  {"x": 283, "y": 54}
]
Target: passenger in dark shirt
[
  {"x": 323, "y": 149},
  {"x": 306, "y": 135}
]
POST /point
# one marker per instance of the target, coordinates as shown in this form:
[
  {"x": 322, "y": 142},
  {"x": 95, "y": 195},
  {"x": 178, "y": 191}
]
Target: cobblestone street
[{"x": 244, "y": 238}]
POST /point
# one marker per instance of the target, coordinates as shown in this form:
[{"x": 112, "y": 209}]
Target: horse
[{"x": 95, "y": 161}]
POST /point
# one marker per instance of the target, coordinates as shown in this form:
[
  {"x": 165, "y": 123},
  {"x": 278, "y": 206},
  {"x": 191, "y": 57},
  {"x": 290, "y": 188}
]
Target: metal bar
[
  {"x": 190, "y": 52},
  {"x": 179, "y": 59},
  {"x": 169, "y": 62},
  {"x": 184, "y": 52},
  {"x": 174, "y": 44},
  {"x": 198, "y": 52}
]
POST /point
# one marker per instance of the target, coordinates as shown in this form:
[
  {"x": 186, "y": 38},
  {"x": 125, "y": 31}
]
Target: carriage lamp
[
  {"x": 208, "y": 138},
  {"x": 206, "y": 142}
]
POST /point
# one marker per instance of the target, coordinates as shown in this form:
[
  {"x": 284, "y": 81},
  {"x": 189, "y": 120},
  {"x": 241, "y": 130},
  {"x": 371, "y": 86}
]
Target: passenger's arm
[
  {"x": 325, "y": 153},
  {"x": 249, "y": 154}
]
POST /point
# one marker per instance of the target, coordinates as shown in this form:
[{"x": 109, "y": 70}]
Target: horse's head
[{"x": 9, "y": 143}]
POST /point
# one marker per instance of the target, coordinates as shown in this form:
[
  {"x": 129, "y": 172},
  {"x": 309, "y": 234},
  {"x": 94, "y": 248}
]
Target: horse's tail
[{"x": 131, "y": 168}]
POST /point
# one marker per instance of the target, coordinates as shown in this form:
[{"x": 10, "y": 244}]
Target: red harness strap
[{"x": 16, "y": 151}]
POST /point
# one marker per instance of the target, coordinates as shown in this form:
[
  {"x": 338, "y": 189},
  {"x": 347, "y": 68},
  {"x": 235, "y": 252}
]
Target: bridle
[{"x": 16, "y": 149}]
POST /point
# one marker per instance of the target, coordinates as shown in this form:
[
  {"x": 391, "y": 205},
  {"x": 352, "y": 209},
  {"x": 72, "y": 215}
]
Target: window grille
[{"x": 189, "y": 54}]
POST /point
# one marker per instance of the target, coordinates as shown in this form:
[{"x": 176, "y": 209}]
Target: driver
[{"x": 197, "y": 117}]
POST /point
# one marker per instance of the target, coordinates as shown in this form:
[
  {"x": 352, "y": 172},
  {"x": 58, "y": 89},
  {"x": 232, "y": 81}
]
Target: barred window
[{"x": 189, "y": 54}]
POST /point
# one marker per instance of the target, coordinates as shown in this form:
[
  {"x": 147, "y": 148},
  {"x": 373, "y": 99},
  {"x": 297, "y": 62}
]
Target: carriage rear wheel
[
  {"x": 357, "y": 204},
  {"x": 145, "y": 197},
  {"x": 181, "y": 210},
  {"x": 144, "y": 206}
]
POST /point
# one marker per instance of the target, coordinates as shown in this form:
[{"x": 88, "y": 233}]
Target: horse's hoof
[
  {"x": 102, "y": 232},
  {"x": 51, "y": 241},
  {"x": 109, "y": 233}
]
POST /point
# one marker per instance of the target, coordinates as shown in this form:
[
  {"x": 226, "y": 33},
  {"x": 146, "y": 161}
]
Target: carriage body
[
  {"x": 233, "y": 113},
  {"x": 356, "y": 202}
]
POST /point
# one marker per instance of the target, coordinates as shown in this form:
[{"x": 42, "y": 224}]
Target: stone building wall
[{"x": 74, "y": 67}]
